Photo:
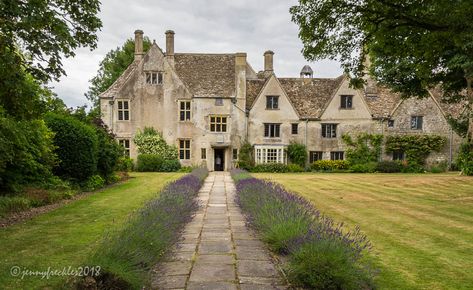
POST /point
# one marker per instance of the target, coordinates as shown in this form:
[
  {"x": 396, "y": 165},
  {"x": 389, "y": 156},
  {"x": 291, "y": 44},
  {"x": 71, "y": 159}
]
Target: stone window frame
[
  {"x": 270, "y": 154},
  {"x": 272, "y": 102},
  {"x": 123, "y": 110},
  {"x": 154, "y": 77},
  {"x": 218, "y": 123},
  {"x": 185, "y": 113},
  {"x": 125, "y": 142},
  {"x": 315, "y": 156},
  {"x": 337, "y": 155},
  {"x": 235, "y": 154},
  {"x": 184, "y": 148},
  {"x": 295, "y": 128},
  {"x": 346, "y": 102},
  {"x": 272, "y": 130},
  {"x": 203, "y": 153},
  {"x": 329, "y": 130},
  {"x": 399, "y": 155},
  {"x": 415, "y": 124}
]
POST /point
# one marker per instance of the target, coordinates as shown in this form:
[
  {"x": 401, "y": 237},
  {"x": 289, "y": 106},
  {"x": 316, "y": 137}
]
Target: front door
[{"x": 219, "y": 159}]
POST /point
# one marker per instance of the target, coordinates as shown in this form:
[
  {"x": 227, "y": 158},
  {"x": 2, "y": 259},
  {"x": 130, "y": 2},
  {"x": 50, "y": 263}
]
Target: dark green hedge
[
  {"x": 77, "y": 146},
  {"x": 155, "y": 163}
]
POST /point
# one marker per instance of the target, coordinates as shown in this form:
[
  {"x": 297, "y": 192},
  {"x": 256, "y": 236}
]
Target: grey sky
[{"x": 251, "y": 26}]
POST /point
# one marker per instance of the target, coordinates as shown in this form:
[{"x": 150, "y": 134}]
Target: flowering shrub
[
  {"x": 330, "y": 165},
  {"x": 151, "y": 141},
  {"x": 322, "y": 254},
  {"x": 127, "y": 255}
]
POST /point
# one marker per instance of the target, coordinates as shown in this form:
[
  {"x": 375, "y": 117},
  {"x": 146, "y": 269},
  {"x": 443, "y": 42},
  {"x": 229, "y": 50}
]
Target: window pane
[
  {"x": 188, "y": 115},
  {"x": 125, "y": 105},
  {"x": 224, "y": 120},
  {"x": 219, "y": 127},
  {"x": 154, "y": 78},
  {"x": 276, "y": 129},
  {"x": 188, "y": 105},
  {"x": 181, "y": 154},
  {"x": 188, "y": 154},
  {"x": 183, "y": 105},
  {"x": 266, "y": 130},
  {"x": 275, "y": 102},
  {"x": 160, "y": 78},
  {"x": 126, "y": 117},
  {"x": 148, "y": 78},
  {"x": 212, "y": 127},
  {"x": 120, "y": 105},
  {"x": 212, "y": 119},
  {"x": 120, "y": 115}
]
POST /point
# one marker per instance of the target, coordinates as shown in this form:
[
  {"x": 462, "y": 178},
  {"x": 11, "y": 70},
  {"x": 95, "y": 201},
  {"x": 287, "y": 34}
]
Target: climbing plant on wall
[
  {"x": 415, "y": 147},
  {"x": 363, "y": 148}
]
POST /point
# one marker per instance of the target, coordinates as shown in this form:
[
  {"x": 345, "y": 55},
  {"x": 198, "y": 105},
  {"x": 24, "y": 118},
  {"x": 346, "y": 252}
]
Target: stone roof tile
[
  {"x": 207, "y": 75},
  {"x": 310, "y": 96}
]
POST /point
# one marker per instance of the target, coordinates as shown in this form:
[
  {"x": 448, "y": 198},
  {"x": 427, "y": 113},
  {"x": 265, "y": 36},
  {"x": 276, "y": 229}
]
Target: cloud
[{"x": 201, "y": 26}]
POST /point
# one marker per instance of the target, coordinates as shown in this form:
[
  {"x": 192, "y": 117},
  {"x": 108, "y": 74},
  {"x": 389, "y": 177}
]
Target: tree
[
  {"x": 111, "y": 67},
  {"x": 47, "y": 30},
  {"x": 412, "y": 45}
]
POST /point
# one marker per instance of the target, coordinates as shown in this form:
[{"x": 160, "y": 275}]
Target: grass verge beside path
[
  {"x": 66, "y": 236},
  {"x": 420, "y": 225}
]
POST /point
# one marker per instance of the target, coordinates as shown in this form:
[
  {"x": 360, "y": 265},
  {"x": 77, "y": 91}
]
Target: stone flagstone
[{"x": 217, "y": 250}]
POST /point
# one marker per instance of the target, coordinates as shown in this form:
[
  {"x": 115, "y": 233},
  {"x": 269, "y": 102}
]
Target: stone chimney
[
  {"x": 240, "y": 72},
  {"x": 170, "y": 46},
  {"x": 138, "y": 44},
  {"x": 268, "y": 63}
]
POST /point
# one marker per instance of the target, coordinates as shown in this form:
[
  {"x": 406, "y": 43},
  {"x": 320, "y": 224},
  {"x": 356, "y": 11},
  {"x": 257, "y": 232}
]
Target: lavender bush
[
  {"x": 126, "y": 255},
  {"x": 323, "y": 255}
]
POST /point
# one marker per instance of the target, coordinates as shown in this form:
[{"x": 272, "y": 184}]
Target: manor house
[{"x": 209, "y": 104}]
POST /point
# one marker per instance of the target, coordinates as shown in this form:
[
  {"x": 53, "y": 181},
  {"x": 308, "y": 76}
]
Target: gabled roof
[
  {"x": 207, "y": 75},
  {"x": 449, "y": 109},
  {"x": 383, "y": 103},
  {"x": 253, "y": 88},
  {"x": 122, "y": 79},
  {"x": 310, "y": 96}
]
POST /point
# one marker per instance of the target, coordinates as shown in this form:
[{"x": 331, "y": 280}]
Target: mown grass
[
  {"x": 420, "y": 225},
  {"x": 66, "y": 236}
]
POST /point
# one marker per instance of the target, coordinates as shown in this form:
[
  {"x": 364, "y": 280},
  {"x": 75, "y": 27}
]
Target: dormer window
[{"x": 154, "y": 78}]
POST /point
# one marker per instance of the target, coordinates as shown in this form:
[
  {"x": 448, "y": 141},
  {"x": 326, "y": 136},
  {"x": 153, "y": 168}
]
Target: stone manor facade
[{"x": 208, "y": 105}]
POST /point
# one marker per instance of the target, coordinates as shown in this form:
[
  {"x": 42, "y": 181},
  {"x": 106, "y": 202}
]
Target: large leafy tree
[
  {"x": 34, "y": 38},
  {"x": 111, "y": 67},
  {"x": 412, "y": 45},
  {"x": 47, "y": 30}
]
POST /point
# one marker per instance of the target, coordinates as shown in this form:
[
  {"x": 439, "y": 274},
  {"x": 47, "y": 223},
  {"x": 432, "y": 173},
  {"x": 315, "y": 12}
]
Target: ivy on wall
[
  {"x": 415, "y": 147},
  {"x": 364, "y": 148}
]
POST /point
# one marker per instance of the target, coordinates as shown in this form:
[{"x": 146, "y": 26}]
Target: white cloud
[{"x": 201, "y": 26}]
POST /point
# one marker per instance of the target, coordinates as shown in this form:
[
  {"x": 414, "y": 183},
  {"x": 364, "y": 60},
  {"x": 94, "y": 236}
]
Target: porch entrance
[{"x": 219, "y": 159}]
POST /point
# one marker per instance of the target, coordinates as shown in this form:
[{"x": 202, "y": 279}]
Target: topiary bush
[
  {"x": 297, "y": 154},
  {"x": 330, "y": 165},
  {"x": 76, "y": 146}
]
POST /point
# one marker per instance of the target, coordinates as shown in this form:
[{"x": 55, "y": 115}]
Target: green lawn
[
  {"x": 66, "y": 236},
  {"x": 421, "y": 226}
]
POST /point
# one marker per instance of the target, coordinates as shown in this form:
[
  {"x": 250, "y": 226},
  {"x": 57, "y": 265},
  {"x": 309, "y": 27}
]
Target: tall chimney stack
[
  {"x": 170, "y": 46},
  {"x": 138, "y": 44},
  {"x": 268, "y": 63}
]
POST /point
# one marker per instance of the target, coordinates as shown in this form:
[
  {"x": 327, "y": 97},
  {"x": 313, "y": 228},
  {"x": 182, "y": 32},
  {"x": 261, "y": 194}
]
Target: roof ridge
[{"x": 202, "y": 53}]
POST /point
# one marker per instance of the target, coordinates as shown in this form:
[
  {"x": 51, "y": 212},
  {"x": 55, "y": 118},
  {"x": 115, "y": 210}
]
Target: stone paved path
[{"x": 217, "y": 250}]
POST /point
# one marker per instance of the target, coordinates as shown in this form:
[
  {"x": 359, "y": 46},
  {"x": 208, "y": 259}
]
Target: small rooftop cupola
[
  {"x": 307, "y": 72},
  {"x": 139, "y": 44}
]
